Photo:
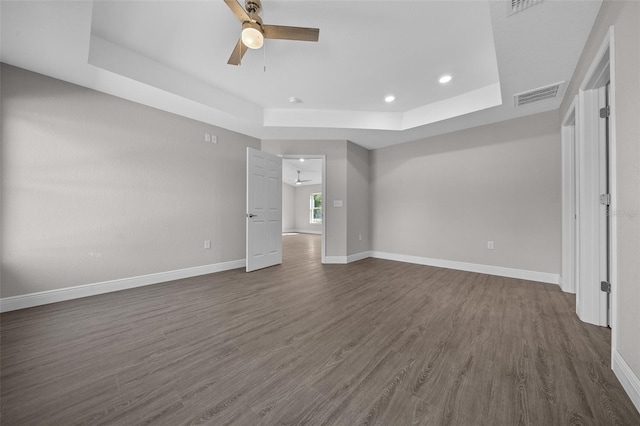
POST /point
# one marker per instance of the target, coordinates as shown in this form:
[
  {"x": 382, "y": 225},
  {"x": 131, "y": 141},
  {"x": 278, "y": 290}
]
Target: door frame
[
  {"x": 570, "y": 233},
  {"x": 586, "y": 187},
  {"x": 323, "y": 246}
]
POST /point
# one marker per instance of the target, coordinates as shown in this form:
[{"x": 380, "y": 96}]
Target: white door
[
  {"x": 605, "y": 199},
  {"x": 264, "y": 209}
]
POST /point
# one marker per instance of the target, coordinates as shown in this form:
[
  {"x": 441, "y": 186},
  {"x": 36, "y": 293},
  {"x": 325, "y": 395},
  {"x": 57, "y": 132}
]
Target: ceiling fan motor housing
[{"x": 253, "y": 6}]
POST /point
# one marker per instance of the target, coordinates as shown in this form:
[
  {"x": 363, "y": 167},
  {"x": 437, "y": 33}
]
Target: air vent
[
  {"x": 537, "y": 95},
  {"x": 515, "y": 6}
]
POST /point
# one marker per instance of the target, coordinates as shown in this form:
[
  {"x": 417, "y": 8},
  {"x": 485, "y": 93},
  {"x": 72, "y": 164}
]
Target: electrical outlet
[
  {"x": 490, "y": 245},
  {"x": 207, "y": 244}
]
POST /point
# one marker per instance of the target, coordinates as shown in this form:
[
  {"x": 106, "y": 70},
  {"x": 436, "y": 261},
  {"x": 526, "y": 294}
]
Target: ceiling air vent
[
  {"x": 515, "y": 6},
  {"x": 537, "y": 95}
]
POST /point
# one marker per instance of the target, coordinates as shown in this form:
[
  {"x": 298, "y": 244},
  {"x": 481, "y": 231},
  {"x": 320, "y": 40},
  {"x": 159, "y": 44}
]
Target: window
[{"x": 315, "y": 204}]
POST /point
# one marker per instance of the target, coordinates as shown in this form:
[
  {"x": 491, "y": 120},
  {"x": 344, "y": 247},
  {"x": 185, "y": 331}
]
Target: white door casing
[
  {"x": 264, "y": 210},
  {"x": 569, "y": 202},
  {"x": 591, "y": 164}
]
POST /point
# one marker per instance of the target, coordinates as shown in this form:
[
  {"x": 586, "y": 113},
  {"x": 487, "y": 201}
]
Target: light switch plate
[{"x": 337, "y": 203}]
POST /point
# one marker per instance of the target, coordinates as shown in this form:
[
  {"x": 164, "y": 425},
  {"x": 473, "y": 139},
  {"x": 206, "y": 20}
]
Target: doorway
[
  {"x": 303, "y": 198},
  {"x": 589, "y": 193}
]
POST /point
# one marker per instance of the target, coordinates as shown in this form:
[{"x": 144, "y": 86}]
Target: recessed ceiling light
[
  {"x": 302, "y": 160},
  {"x": 295, "y": 100},
  {"x": 389, "y": 98},
  {"x": 445, "y": 79}
]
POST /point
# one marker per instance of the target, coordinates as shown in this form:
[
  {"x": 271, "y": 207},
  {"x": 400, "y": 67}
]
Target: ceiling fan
[
  {"x": 254, "y": 31},
  {"x": 299, "y": 181}
]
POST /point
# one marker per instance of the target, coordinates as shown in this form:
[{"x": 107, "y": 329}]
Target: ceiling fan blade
[
  {"x": 238, "y": 10},
  {"x": 290, "y": 33},
  {"x": 238, "y": 53}
]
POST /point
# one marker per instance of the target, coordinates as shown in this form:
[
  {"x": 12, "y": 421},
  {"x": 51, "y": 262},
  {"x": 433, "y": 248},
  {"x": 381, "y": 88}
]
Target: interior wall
[
  {"x": 303, "y": 193},
  {"x": 446, "y": 196},
  {"x": 358, "y": 213},
  {"x": 96, "y": 188},
  {"x": 336, "y": 184},
  {"x": 625, "y": 16},
  {"x": 288, "y": 208}
]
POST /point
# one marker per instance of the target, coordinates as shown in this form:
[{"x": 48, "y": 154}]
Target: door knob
[{"x": 252, "y": 215}]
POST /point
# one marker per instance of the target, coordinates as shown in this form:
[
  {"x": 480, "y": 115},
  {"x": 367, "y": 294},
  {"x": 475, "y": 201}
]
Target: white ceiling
[
  {"x": 172, "y": 55},
  {"x": 310, "y": 171}
]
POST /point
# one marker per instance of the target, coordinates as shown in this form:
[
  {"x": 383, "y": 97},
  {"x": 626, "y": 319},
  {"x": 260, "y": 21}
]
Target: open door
[
  {"x": 264, "y": 210},
  {"x": 605, "y": 199}
]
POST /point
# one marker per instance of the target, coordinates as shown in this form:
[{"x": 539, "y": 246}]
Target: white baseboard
[
  {"x": 346, "y": 259},
  {"x": 358, "y": 256},
  {"x": 629, "y": 381},
  {"x": 301, "y": 231},
  {"x": 335, "y": 259},
  {"x": 51, "y": 296},
  {"x": 544, "y": 277},
  {"x": 565, "y": 287},
  {"x": 307, "y": 231},
  {"x": 59, "y": 295}
]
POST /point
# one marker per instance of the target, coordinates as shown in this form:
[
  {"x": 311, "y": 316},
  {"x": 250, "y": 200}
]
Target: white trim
[
  {"x": 323, "y": 242},
  {"x": 629, "y": 381},
  {"x": 569, "y": 213},
  {"x": 337, "y": 260},
  {"x": 304, "y": 231},
  {"x": 594, "y": 73},
  {"x": 613, "y": 190},
  {"x": 590, "y": 301},
  {"x": 342, "y": 260},
  {"x": 544, "y": 277},
  {"x": 58, "y": 295},
  {"x": 358, "y": 256}
]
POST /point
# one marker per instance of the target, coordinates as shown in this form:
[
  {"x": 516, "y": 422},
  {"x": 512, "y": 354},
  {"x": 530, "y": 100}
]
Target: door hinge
[
  {"x": 605, "y": 199},
  {"x": 605, "y": 286},
  {"x": 605, "y": 112}
]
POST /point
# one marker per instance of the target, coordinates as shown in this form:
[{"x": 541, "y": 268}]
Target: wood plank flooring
[{"x": 373, "y": 342}]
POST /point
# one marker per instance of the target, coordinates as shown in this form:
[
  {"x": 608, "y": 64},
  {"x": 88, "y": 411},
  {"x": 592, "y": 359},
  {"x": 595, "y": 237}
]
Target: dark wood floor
[{"x": 373, "y": 342}]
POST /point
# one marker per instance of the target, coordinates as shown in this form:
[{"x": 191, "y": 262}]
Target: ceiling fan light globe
[{"x": 252, "y": 37}]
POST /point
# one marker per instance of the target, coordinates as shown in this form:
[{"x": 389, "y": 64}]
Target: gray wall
[
  {"x": 336, "y": 184},
  {"x": 625, "y": 16},
  {"x": 96, "y": 188},
  {"x": 446, "y": 196},
  {"x": 288, "y": 208}
]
